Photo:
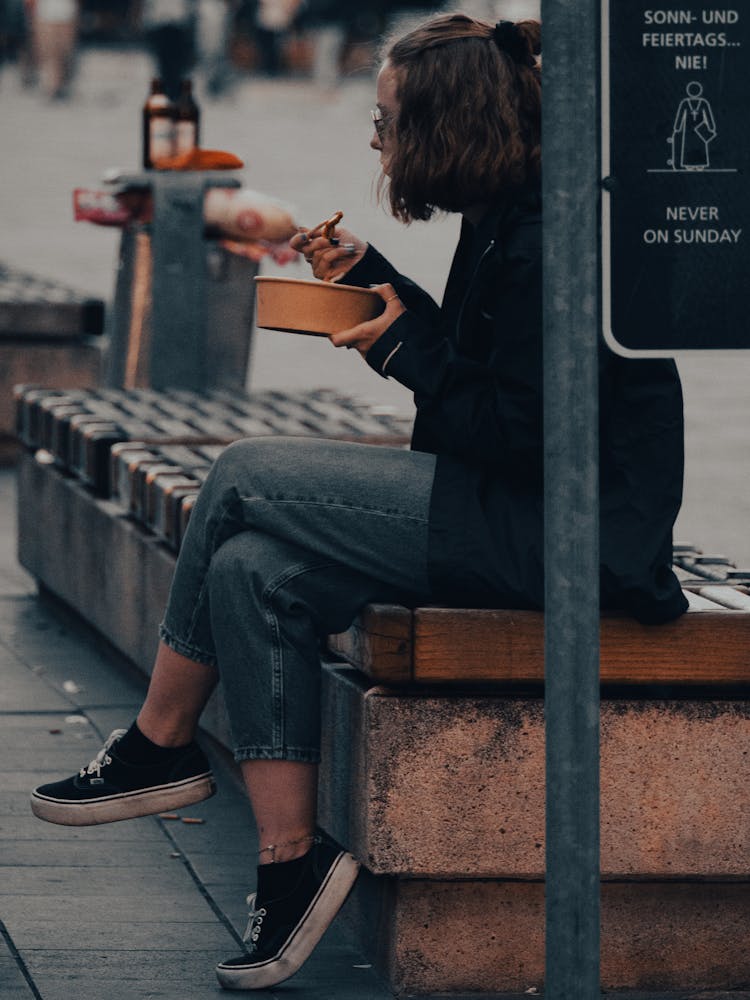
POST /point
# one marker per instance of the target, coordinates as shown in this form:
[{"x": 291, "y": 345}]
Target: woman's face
[{"x": 383, "y": 138}]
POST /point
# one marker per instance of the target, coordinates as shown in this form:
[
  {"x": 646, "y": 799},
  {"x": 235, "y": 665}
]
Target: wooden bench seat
[{"x": 708, "y": 646}]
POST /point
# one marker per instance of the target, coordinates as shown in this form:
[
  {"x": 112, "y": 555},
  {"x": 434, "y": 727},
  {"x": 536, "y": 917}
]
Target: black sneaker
[
  {"x": 281, "y": 933},
  {"x": 111, "y": 789}
]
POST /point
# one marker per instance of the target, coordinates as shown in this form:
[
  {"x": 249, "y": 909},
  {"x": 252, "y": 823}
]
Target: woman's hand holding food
[
  {"x": 363, "y": 336},
  {"x": 330, "y": 257}
]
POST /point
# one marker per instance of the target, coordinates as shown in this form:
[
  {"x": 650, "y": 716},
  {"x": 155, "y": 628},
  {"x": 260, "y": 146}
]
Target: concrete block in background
[
  {"x": 47, "y": 336},
  {"x": 69, "y": 364}
]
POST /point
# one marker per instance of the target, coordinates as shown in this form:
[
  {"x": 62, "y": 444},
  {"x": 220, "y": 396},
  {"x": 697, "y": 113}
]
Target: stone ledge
[
  {"x": 488, "y": 937},
  {"x": 446, "y": 785}
]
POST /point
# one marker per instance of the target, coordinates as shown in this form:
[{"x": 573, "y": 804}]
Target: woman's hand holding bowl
[
  {"x": 364, "y": 335},
  {"x": 330, "y": 258}
]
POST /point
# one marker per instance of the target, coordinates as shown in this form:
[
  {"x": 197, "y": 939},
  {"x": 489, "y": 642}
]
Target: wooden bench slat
[
  {"x": 432, "y": 645},
  {"x": 379, "y": 643},
  {"x": 705, "y": 647}
]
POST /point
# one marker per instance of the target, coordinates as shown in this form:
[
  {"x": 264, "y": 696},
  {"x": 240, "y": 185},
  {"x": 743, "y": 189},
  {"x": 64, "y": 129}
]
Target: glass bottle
[
  {"x": 158, "y": 125},
  {"x": 187, "y": 118}
]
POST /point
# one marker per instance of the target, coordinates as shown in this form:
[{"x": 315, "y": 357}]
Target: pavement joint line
[
  {"x": 32, "y": 712},
  {"x": 16, "y": 955},
  {"x": 79, "y": 709},
  {"x": 53, "y": 712},
  {"x": 40, "y": 674},
  {"x": 221, "y": 916}
]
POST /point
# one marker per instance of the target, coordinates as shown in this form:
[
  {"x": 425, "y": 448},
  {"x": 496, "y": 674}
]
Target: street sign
[{"x": 675, "y": 159}]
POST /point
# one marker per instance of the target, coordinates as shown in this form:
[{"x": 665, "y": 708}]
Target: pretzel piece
[{"x": 327, "y": 227}]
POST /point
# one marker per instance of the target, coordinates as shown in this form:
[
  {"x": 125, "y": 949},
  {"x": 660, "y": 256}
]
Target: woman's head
[{"x": 461, "y": 114}]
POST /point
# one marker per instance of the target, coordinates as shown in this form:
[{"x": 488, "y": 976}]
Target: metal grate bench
[{"x": 89, "y": 433}]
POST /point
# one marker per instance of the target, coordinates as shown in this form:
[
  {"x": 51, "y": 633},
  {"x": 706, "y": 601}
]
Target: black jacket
[{"x": 475, "y": 367}]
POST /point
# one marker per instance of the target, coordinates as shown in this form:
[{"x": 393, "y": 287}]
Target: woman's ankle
[
  {"x": 136, "y": 748},
  {"x": 177, "y": 694},
  {"x": 285, "y": 848},
  {"x": 168, "y": 733}
]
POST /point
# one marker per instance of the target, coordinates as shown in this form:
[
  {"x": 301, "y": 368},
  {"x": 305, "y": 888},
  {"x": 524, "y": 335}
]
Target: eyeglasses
[{"x": 380, "y": 121}]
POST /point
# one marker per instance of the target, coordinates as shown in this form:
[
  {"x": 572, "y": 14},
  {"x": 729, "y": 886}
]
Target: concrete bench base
[
  {"x": 121, "y": 594},
  {"x": 488, "y": 936},
  {"x": 440, "y": 793},
  {"x": 447, "y": 785}
]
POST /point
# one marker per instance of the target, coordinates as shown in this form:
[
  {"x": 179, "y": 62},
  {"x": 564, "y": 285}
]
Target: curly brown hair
[{"x": 469, "y": 122}]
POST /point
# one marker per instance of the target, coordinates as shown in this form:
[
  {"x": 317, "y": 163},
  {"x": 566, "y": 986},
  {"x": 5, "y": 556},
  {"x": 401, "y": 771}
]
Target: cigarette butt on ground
[
  {"x": 168, "y": 816},
  {"x": 192, "y": 819}
]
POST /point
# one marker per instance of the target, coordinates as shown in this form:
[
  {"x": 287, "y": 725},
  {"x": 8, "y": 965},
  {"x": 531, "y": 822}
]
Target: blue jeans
[{"x": 288, "y": 539}]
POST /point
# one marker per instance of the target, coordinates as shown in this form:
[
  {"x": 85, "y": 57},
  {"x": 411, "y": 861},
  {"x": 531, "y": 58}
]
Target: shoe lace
[
  {"x": 102, "y": 758},
  {"x": 254, "y": 923}
]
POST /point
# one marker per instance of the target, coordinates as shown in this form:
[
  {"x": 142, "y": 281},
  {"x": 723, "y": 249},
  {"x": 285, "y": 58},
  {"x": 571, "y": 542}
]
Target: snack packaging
[
  {"x": 244, "y": 214},
  {"x": 239, "y": 214}
]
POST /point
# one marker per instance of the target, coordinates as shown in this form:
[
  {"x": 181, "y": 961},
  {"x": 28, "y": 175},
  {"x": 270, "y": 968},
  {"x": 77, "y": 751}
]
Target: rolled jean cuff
[
  {"x": 186, "y": 649},
  {"x": 303, "y": 755}
]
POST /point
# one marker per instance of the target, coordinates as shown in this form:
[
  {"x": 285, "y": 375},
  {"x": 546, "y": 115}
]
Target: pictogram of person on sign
[{"x": 694, "y": 128}]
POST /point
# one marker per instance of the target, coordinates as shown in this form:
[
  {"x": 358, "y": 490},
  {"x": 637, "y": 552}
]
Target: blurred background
[{"x": 287, "y": 86}]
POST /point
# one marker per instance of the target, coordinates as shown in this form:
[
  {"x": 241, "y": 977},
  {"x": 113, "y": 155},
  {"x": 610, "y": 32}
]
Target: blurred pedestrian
[
  {"x": 273, "y": 19},
  {"x": 327, "y": 24},
  {"x": 214, "y": 20},
  {"x": 169, "y": 27},
  {"x": 54, "y": 31},
  {"x": 12, "y": 29}
]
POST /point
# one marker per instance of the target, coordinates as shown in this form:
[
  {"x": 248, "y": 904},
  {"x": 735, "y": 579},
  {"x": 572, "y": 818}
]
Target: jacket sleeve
[
  {"x": 374, "y": 269},
  {"x": 486, "y": 411}
]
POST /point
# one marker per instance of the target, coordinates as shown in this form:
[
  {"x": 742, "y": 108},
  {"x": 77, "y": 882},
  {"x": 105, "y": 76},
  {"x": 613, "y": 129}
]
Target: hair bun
[{"x": 509, "y": 39}]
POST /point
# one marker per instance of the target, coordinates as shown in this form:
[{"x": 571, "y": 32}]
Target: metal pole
[{"x": 571, "y": 157}]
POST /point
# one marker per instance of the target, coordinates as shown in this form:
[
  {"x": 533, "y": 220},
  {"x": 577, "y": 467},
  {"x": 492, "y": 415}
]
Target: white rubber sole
[
  {"x": 301, "y": 942},
  {"x": 128, "y": 805}
]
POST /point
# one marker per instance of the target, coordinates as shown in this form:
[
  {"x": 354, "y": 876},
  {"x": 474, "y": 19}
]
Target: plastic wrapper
[{"x": 247, "y": 222}]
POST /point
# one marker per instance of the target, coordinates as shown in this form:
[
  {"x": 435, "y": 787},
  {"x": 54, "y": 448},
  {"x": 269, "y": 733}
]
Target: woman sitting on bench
[{"x": 290, "y": 538}]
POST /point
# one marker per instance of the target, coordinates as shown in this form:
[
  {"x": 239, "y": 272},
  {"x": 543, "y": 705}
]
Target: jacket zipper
[{"x": 459, "y": 320}]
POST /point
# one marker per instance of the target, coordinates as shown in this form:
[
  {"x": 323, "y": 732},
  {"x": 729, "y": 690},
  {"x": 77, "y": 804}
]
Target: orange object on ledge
[{"x": 200, "y": 159}]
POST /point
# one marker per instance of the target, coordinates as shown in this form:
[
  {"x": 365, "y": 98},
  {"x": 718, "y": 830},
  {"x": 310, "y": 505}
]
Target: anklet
[{"x": 313, "y": 838}]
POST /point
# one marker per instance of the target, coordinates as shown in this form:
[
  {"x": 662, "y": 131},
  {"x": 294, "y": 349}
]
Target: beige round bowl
[{"x": 316, "y": 307}]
